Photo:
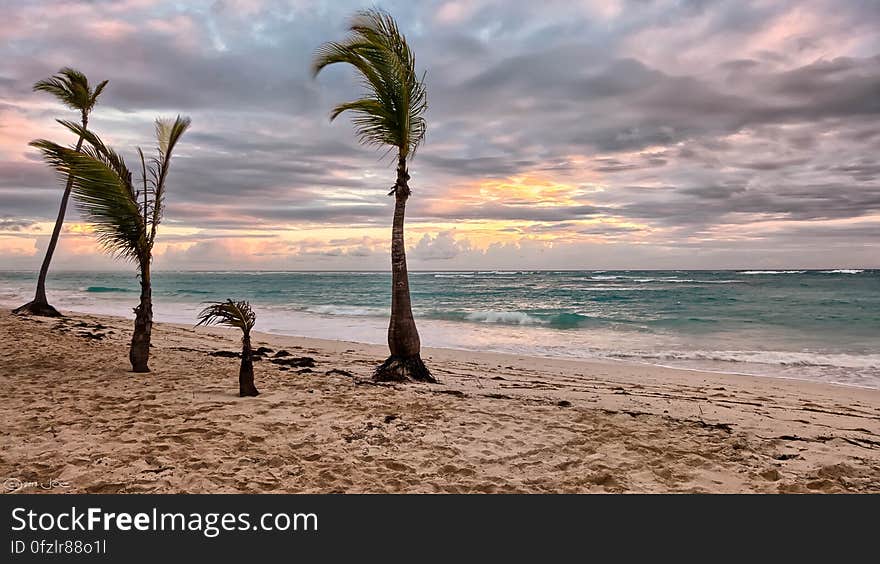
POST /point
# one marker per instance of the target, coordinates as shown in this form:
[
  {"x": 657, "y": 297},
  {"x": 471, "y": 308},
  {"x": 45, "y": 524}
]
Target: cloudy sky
[{"x": 562, "y": 134}]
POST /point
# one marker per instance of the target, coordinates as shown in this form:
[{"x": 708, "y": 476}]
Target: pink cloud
[
  {"x": 110, "y": 29},
  {"x": 455, "y": 11},
  {"x": 16, "y": 131}
]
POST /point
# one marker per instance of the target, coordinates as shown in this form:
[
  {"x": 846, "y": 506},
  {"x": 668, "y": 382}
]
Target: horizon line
[{"x": 388, "y": 271}]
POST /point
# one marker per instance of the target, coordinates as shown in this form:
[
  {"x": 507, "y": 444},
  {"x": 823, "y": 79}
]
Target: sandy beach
[{"x": 72, "y": 412}]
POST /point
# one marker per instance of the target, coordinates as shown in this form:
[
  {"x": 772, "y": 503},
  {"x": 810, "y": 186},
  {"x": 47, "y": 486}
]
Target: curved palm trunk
[
  {"x": 405, "y": 362},
  {"x": 40, "y": 304},
  {"x": 139, "y": 353},
  {"x": 246, "y": 385}
]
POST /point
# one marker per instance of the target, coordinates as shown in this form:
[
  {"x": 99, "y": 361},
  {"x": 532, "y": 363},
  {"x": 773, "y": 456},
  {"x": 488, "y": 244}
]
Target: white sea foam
[
  {"x": 684, "y": 281},
  {"x": 781, "y": 358},
  {"x": 510, "y": 317},
  {"x": 843, "y": 271},
  {"x": 346, "y": 310},
  {"x": 772, "y": 271}
]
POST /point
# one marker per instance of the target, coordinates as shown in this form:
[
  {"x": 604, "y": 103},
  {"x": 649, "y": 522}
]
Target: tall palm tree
[
  {"x": 391, "y": 115},
  {"x": 125, "y": 216},
  {"x": 236, "y": 314},
  {"x": 72, "y": 89}
]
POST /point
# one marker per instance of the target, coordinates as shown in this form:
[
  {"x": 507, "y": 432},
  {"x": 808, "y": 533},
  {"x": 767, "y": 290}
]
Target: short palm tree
[
  {"x": 72, "y": 89},
  {"x": 391, "y": 115},
  {"x": 236, "y": 314},
  {"x": 125, "y": 215}
]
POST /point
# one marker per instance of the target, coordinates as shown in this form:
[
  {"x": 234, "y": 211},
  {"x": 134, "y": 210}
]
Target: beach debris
[
  {"x": 225, "y": 354},
  {"x": 95, "y": 336},
  {"x": 340, "y": 372},
  {"x": 93, "y": 331},
  {"x": 456, "y": 393},
  {"x": 281, "y": 353},
  {"x": 294, "y": 362},
  {"x": 563, "y": 403},
  {"x": 727, "y": 427}
]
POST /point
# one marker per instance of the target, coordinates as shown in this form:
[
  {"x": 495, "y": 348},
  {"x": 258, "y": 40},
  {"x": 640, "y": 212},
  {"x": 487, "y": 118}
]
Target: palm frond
[
  {"x": 229, "y": 313},
  {"x": 392, "y": 111},
  {"x": 97, "y": 91},
  {"x": 98, "y": 149},
  {"x": 125, "y": 219},
  {"x": 370, "y": 121},
  {"x": 103, "y": 195},
  {"x": 71, "y": 88},
  {"x": 168, "y": 133}
]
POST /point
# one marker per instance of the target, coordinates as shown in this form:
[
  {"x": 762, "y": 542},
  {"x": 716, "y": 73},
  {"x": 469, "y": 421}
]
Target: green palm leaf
[
  {"x": 97, "y": 149},
  {"x": 102, "y": 188},
  {"x": 168, "y": 133},
  {"x": 72, "y": 89},
  {"x": 229, "y": 313},
  {"x": 125, "y": 220},
  {"x": 392, "y": 111}
]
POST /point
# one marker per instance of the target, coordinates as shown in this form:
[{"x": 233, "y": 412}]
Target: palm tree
[
  {"x": 391, "y": 114},
  {"x": 72, "y": 89},
  {"x": 236, "y": 314},
  {"x": 125, "y": 216}
]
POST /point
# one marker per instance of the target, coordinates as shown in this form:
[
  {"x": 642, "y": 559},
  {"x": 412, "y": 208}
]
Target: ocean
[{"x": 812, "y": 325}]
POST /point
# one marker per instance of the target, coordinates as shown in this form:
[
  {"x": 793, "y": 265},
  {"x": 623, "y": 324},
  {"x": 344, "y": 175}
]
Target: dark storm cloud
[
  {"x": 13, "y": 224},
  {"x": 512, "y": 212},
  {"x": 616, "y": 165},
  {"x": 863, "y": 171},
  {"x": 717, "y": 204},
  {"x": 247, "y": 216},
  {"x": 18, "y": 174},
  {"x": 624, "y": 105},
  {"x": 773, "y": 164},
  {"x": 29, "y": 204},
  {"x": 481, "y": 166}
]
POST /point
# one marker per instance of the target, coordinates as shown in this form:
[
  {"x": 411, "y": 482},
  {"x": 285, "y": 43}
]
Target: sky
[{"x": 600, "y": 134}]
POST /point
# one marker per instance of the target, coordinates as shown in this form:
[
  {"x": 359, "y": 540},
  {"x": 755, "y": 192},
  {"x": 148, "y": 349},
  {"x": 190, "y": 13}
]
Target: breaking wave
[
  {"x": 772, "y": 271},
  {"x": 104, "y": 289}
]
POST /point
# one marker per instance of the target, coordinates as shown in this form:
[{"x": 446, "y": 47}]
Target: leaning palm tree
[
  {"x": 72, "y": 89},
  {"x": 125, "y": 215},
  {"x": 236, "y": 314},
  {"x": 391, "y": 115}
]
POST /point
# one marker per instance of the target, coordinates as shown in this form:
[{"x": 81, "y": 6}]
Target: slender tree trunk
[
  {"x": 246, "y": 385},
  {"x": 139, "y": 353},
  {"x": 40, "y": 304},
  {"x": 405, "y": 362}
]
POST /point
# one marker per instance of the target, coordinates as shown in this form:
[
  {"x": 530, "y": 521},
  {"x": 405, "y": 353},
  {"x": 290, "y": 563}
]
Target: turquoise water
[{"x": 814, "y": 325}]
